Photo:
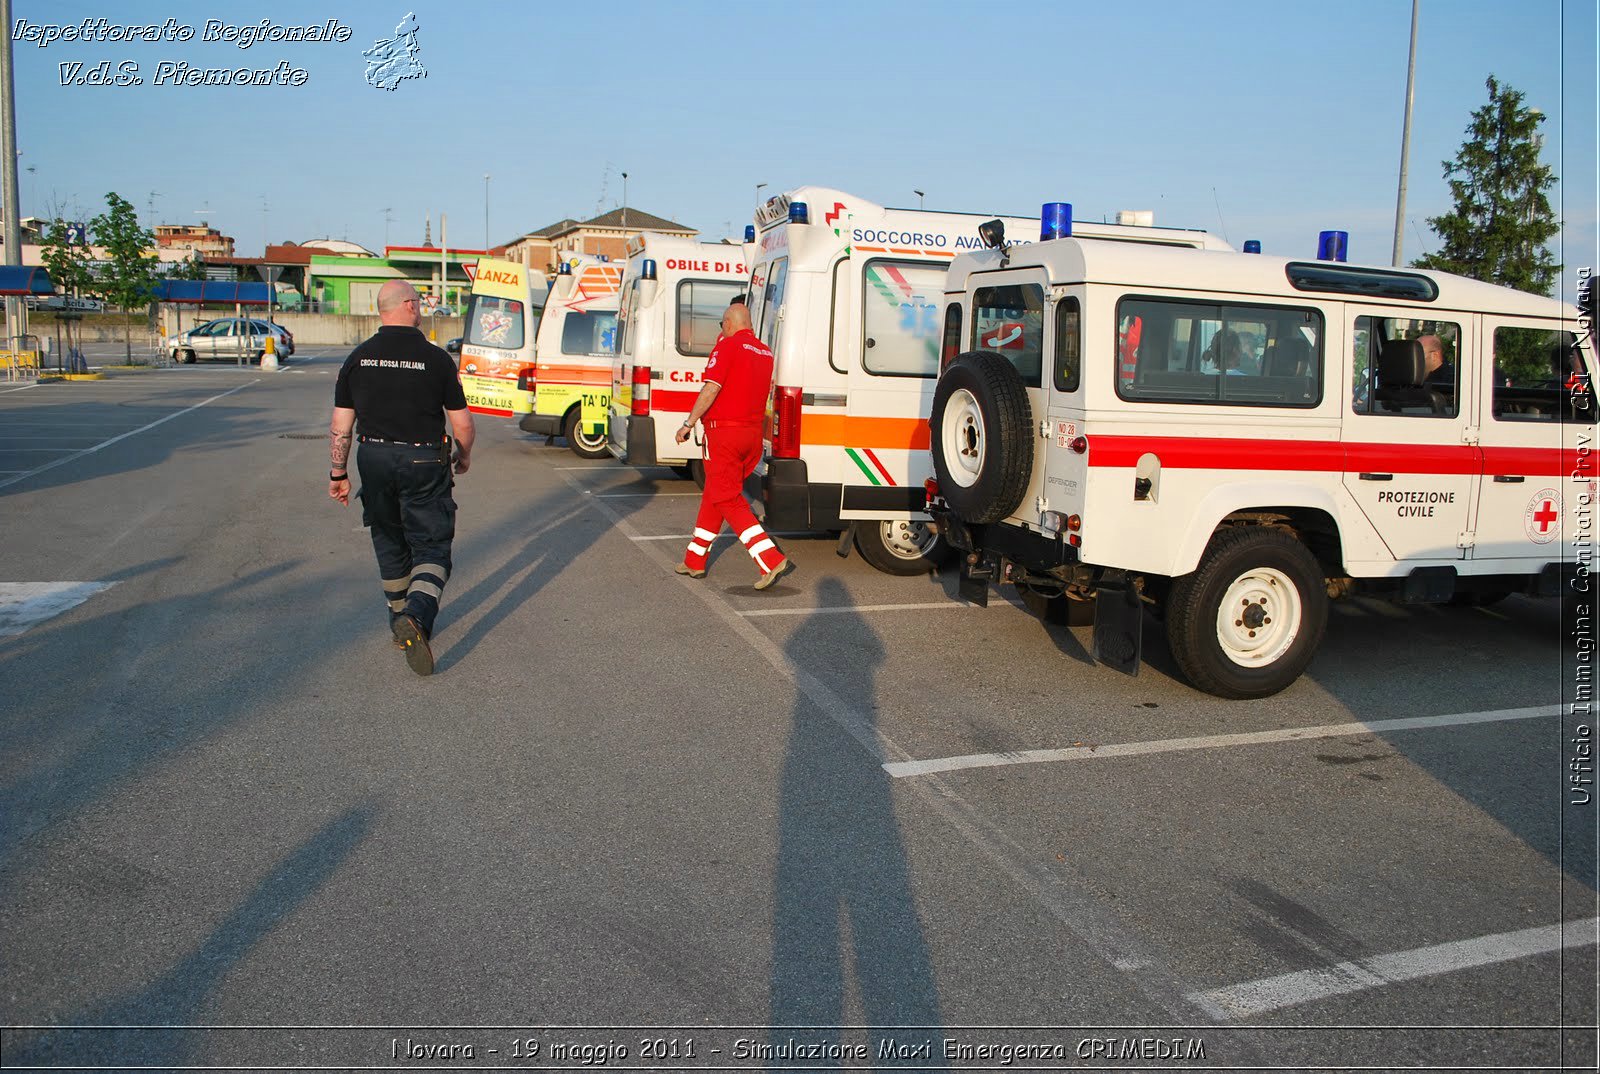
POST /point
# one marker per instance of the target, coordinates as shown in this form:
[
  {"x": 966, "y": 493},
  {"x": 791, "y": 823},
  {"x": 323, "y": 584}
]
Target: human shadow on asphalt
[
  {"x": 844, "y": 909},
  {"x": 179, "y": 997},
  {"x": 565, "y": 525}
]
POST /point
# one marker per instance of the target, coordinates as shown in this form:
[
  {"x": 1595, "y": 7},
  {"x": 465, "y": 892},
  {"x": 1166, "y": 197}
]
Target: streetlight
[
  {"x": 919, "y": 195},
  {"x": 388, "y": 215},
  {"x": 485, "y": 212},
  {"x": 624, "y": 203},
  {"x": 759, "y": 187}
]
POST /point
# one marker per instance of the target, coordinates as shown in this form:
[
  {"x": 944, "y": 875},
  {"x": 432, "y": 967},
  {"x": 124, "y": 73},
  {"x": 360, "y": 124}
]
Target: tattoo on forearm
[{"x": 340, "y": 448}]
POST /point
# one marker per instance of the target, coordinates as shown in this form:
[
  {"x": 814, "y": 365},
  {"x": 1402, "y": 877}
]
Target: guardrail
[{"x": 21, "y": 357}]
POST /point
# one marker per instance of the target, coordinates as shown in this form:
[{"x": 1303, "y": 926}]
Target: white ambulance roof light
[
  {"x": 1055, "y": 221},
  {"x": 647, "y": 271},
  {"x": 749, "y": 233},
  {"x": 993, "y": 234},
  {"x": 1252, "y": 246},
  {"x": 798, "y": 213},
  {"x": 1333, "y": 245}
]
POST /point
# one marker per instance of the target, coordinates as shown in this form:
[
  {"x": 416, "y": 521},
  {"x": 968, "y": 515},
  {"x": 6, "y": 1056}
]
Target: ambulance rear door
[
  {"x": 1534, "y": 427},
  {"x": 1008, "y": 319},
  {"x": 892, "y": 367}
]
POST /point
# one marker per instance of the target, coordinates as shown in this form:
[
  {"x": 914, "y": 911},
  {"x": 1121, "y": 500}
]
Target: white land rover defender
[{"x": 1232, "y": 439}]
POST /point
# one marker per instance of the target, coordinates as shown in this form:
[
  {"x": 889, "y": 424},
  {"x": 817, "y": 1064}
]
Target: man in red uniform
[{"x": 733, "y": 402}]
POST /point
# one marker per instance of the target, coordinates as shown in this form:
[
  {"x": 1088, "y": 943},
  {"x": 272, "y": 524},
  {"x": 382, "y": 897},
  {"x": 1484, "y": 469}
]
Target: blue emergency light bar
[
  {"x": 749, "y": 233},
  {"x": 798, "y": 213},
  {"x": 1055, "y": 221},
  {"x": 647, "y": 270},
  {"x": 564, "y": 269},
  {"x": 1333, "y": 245},
  {"x": 1252, "y": 246}
]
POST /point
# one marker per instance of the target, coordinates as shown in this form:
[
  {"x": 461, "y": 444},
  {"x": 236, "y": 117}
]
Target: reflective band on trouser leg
[
  {"x": 762, "y": 550},
  {"x": 422, "y": 595},
  {"x": 394, "y": 591}
]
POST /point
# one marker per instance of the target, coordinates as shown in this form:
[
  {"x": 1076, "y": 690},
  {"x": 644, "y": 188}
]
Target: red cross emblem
[{"x": 1546, "y": 515}]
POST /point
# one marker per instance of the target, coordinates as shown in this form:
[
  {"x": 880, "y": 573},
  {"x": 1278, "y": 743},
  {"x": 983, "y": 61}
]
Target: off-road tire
[
  {"x": 981, "y": 416},
  {"x": 902, "y": 547},
  {"x": 1245, "y": 563},
  {"x": 582, "y": 445}
]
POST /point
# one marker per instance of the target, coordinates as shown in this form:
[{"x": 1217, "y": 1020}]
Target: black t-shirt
[{"x": 399, "y": 385}]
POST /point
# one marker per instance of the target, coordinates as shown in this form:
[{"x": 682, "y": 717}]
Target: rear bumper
[
  {"x": 793, "y": 503},
  {"x": 540, "y": 424},
  {"x": 641, "y": 446}
]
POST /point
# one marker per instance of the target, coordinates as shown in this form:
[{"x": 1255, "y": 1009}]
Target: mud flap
[
  {"x": 846, "y": 539},
  {"x": 1118, "y": 626},
  {"x": 973, "y": 588}
]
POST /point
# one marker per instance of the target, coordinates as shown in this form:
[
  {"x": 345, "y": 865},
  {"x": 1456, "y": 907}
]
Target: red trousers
[{"x": 731, "y": 454}]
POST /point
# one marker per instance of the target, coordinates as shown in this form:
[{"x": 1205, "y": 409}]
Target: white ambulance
[
  {"x": 1232, "y": 439},
  {"x": 674, "y": 293},
  {"x": 573, "y": 354},
  {"x": 847, "y": 295},
  {"x": 497, "y": 350}
]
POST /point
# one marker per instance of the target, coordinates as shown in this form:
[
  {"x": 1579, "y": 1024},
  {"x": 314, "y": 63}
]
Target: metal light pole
[
  {"x": 759, "y": 187},
  {"x": 485, "y": 212},
  {"x": 1405, "y": 139},
  {"x": 624, "y": 204},
  {"x": 8, "y": 149},
  {"x": 919, "y": 195}
]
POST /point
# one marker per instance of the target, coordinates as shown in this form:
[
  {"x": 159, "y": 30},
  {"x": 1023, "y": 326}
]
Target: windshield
[{"x": 496, "y": 322}]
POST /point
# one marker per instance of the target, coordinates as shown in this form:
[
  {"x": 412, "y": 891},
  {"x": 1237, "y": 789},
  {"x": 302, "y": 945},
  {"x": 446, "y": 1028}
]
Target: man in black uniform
[{"x": 395, "y": 391}]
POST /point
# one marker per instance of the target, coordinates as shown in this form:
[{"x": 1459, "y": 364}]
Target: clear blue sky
[{"x": 1264, "y": 120}]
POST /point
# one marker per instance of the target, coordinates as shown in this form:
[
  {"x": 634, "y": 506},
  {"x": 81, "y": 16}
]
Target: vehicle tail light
[
  {"x": 786, "y": 430},
  {"x": 641, "y": 391},
  {"x": 526, "y": 381}
]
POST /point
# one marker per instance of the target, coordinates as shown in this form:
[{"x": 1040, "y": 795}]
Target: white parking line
[
  {"x": 720, "y": 536},
  {"x": 846, "y": 609},
  {"x": 640, "y": 495},
  {"x": 900, "y": 769},
  {"x": 1289, "y": 989},
  {"x": 24, "y": 388},
  {"x": 23, "y": 604},
  {"x": 53, "y": 463}
]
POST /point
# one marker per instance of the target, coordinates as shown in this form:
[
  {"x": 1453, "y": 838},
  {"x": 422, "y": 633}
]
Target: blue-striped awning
[
  {"x": 23, "y": 280},
  {"x": 196, "y": 292}
]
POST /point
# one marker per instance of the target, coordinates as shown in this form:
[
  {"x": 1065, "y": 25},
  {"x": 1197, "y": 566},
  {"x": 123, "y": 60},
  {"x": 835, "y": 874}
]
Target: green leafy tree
[
  {"x": 1502, "y": 219},
  {"x": 66, "y": 254},
  {"x": 128, "y": 276},
  {"x": 193, "y": 268}
]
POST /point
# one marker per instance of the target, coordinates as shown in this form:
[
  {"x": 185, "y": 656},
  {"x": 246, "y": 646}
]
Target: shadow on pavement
[{"x": 845, "y": 917}]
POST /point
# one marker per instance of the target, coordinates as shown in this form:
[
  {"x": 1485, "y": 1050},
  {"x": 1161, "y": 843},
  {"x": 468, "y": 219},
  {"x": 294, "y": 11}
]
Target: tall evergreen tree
[{"x": 1502, "y": 219}]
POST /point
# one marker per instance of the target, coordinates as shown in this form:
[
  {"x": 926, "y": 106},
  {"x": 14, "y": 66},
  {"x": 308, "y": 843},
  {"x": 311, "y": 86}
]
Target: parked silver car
[{"x": 229, "y": 337}]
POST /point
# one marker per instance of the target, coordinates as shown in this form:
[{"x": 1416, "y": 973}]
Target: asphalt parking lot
[{"x": 629, "y": 798}]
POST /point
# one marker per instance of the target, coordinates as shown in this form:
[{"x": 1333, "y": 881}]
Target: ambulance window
[
  {"x": 1437, "y": 389},
  {"x": 1010, "y": 321},
  {"x": 1069, "y": 345},
  {"x": 1538, "y": 373},
  {"x": 588, "y": 333},
  {"x": 495, "y": 322},
  {"x": 701, "y": 304},
  {"x": 900, "y": 318},
  {"x": 772, "y": 301},
  {"x": 624, "y": 316},
  {"x": 1234, "y": 355},
  {"x": 952, "y": 334}
]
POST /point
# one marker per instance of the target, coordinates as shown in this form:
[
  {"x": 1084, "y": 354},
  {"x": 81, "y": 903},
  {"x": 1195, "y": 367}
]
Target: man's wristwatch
[
  {"x": 338, "y": 477},
  {"x": 688, "y": 425}
]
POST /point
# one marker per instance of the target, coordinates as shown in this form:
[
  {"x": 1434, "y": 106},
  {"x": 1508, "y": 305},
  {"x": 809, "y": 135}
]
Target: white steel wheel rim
[
  {"x": 587, "y": 440},
  {"x": 906, "y": 539},
  {"x": 1259, "y": 617},
  {"x": 962, "y": 436}
]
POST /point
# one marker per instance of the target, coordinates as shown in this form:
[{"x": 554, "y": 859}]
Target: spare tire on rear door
[{"x": 982, "y": 442}]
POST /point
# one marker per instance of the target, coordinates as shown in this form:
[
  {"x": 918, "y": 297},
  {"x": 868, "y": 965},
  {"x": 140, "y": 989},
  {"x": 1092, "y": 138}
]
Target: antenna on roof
[{"x": 605, "y": 177}]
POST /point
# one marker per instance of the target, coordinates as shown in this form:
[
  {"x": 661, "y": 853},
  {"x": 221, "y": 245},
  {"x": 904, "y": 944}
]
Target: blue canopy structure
[
  {"x": 23, "y": 280},
  {"x": 196, "y": 292}
]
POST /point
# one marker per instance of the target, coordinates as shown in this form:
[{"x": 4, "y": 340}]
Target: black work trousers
[{"x": 406, "y": 502}]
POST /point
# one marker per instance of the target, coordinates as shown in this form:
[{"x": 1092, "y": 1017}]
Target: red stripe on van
[
  {"x": 675, "y": 401},
  {"x": 1331, "y": 456}
]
